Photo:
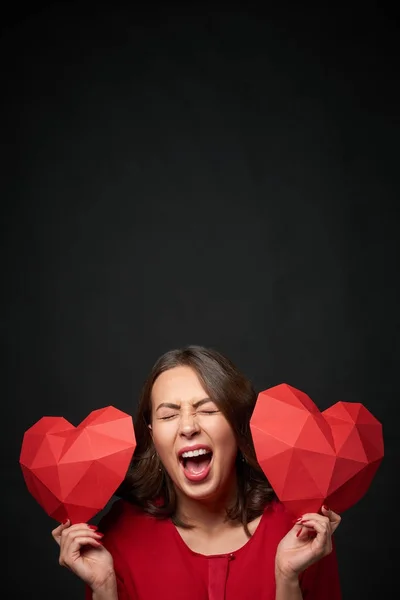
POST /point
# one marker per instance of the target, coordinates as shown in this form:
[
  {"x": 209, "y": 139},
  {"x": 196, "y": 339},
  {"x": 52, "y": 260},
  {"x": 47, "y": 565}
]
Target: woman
[{"x": 197, "y": 518}]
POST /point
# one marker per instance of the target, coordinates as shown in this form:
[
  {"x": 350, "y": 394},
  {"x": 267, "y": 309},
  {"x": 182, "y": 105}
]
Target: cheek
[
  {"x": 163, "y": 438},
  {"x": 221, "y": 433}
]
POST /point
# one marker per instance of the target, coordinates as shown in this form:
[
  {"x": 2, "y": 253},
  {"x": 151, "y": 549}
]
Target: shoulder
[
  {"x": 274, "y": 524},
  {"x": 136, "y": 539},
  {"x": 121, "y": 511},
  {"x": 276, "y": 518},
  {"x": 125, "y": 522}
]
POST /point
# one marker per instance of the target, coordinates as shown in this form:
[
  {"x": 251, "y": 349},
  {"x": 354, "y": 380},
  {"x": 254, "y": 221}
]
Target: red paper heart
[
  {"x": 313, "y": 458},
  {"x": 74, "y": 471}
]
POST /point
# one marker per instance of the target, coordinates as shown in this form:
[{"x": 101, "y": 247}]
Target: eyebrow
[{"x": 177, "y": 407}]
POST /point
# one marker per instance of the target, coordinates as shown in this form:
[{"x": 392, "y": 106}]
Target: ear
[{"x": 151, "y": 430}]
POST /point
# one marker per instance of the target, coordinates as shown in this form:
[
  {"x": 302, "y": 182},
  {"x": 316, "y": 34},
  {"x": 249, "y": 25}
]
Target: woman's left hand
[{"x": 307, "y": 542}]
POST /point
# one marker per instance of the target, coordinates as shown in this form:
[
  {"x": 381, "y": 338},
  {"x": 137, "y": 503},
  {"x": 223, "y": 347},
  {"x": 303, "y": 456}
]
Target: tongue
[{"x": 197, "y": 465}]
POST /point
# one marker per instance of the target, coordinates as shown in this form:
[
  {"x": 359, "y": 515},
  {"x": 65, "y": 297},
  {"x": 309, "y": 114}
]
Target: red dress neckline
[{"x": 235, "y": 552}]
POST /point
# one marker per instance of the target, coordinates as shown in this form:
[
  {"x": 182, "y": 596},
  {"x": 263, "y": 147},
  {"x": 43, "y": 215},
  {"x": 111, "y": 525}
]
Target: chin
[
  {"x": 206, "y": 491},
  {"x": 202, "y": 495}
]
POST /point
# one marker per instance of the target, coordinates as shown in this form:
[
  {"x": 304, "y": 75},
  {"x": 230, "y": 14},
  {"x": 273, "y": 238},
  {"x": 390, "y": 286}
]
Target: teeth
[{"x": 194, "y": 453}]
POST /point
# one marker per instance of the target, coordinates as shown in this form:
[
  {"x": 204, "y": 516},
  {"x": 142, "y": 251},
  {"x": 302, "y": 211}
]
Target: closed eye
[{"x": 203, "y": 412}]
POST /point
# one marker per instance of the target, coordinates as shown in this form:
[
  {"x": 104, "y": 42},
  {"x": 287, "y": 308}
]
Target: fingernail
[
  {"x": 299, "y": 532},
  {"x": 296, "y": 520},
  {"x": 65, "y": 522},
  {"x": 325, "y": 507},
  {"x": 304, "y": 521},
  {"x": 94, "y": 527},
  {"x": 100, "y": 535}
]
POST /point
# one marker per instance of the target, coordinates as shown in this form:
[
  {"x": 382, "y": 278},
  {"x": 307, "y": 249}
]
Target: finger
[
  {"x": 328, "y": 512},
  {"x": 68, "y": 536},
  {"x": 78, "y": 527},
  {"x": 68, "y": 555},
  {"x": 313, "y": 515},
  {"x": 56, "y": 533},
  {"x": 306, "y": 533},
  {"x": 323, "y": 539},
  {"x": 84, "y": 540},
  {"x": 334, "y": 518},
  {"x": 318, "y": 524},
  {"x": 298, "y": 523}
]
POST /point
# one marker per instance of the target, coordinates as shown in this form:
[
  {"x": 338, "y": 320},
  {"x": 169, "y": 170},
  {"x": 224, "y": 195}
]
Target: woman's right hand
[{"x": 82, "y": 552}]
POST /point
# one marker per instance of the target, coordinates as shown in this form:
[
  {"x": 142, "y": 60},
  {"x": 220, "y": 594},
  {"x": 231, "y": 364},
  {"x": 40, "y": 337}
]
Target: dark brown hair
[{"x": 149, "y": 486}]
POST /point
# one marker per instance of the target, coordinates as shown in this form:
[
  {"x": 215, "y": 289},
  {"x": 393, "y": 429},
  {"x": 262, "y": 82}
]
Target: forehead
[{"x": 180, "y": 384}]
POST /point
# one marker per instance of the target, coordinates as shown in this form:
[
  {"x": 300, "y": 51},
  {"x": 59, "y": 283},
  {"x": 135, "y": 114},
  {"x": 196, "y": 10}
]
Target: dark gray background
[{"x": 218, "y": 177}]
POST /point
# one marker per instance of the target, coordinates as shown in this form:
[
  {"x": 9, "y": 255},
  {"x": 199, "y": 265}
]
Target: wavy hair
[{"x": 148, "y": 485}]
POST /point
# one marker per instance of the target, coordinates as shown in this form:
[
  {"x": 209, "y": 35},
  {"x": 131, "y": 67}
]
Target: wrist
[
  {"x": 286, "y": 578},
  {"x": 287, "y": 587},
  {"x": 107, "y": 590}
]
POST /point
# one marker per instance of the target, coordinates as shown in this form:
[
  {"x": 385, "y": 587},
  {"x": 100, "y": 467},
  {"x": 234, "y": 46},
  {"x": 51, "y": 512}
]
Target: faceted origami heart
[
  {"x": 312, "y": 458},
  {"x": 74, "y": 471}
]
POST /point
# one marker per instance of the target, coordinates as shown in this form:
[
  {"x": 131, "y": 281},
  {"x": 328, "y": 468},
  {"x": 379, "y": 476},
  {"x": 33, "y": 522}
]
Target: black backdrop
[{"x": 218, "y": 177}]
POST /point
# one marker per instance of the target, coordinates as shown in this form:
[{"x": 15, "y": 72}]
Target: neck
[{"x": 208, "y": 514}]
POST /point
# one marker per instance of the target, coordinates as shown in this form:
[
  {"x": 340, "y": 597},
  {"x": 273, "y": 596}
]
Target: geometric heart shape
[
  {"x": 73, "y": 472},
  {"x": 312, "y": 458}
]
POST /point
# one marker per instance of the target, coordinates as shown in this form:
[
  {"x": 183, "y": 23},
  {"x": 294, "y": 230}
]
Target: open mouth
[{"x": 196, "y": 464}]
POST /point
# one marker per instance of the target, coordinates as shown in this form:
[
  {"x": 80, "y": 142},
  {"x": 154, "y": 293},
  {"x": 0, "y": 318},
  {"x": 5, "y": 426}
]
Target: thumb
[
  {"x": 333, "y": 517},
  {"x": 56, "y": 533}
]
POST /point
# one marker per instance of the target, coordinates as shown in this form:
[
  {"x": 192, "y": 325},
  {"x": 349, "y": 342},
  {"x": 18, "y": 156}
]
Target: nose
[{"x": 188, "y": 425}]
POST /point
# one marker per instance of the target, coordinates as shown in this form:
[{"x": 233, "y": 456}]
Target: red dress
[{"x": 152, "y": 562}]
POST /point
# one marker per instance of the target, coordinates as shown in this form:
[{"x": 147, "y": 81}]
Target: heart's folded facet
[
  {"x": 73, "y": 471},
  {"x": 312, "y": 458}
]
